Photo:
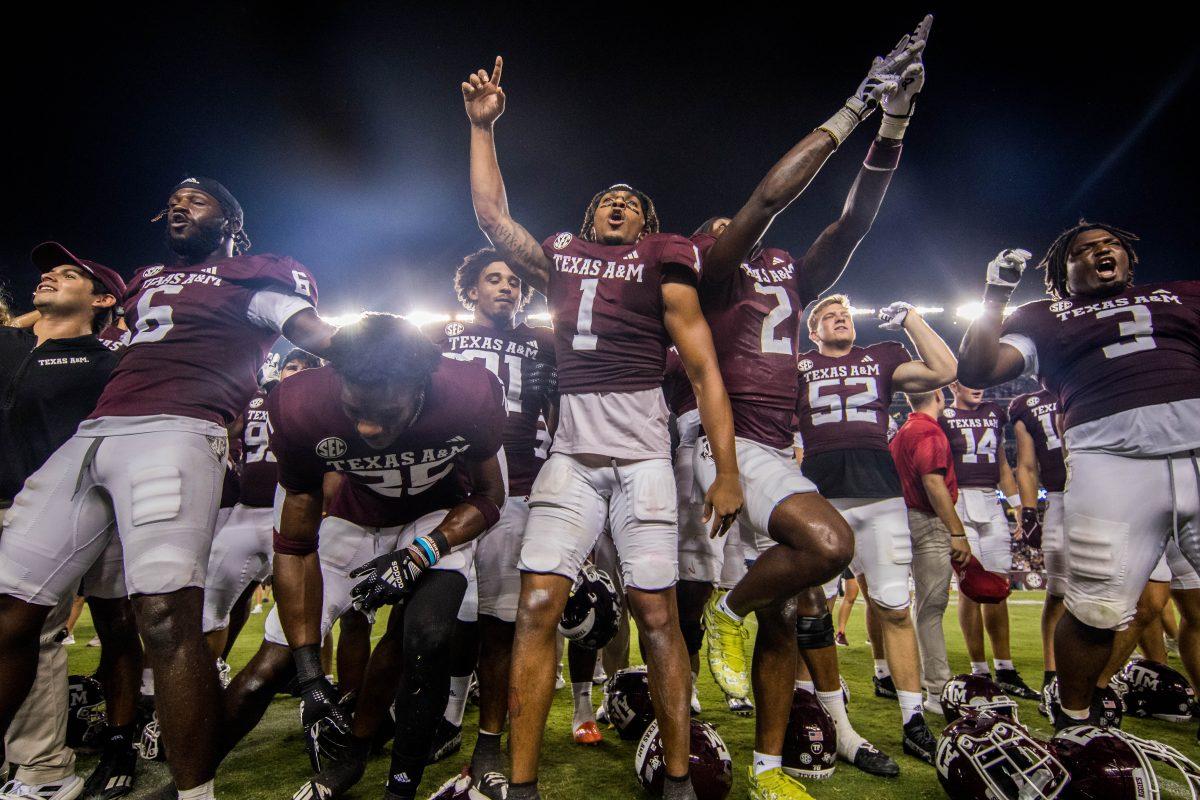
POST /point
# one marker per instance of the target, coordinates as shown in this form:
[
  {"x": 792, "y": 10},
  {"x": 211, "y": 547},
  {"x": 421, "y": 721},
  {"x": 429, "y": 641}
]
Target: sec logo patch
[
  {"x": 331, "y": 447},
  {"x": 152, "y": 271},
  {"x": 805, "y": 365},
  {"x": 1061, "y": 305},
  {"x": 256, "y": 402},
  {"x": 455, "y": 328},
  {"x": 948, "y": 413},
  {"x": 562, "y": 240},
  {"x": 1031, "y": 402}
]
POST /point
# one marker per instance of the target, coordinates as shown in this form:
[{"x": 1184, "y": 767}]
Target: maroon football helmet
[
  {"x": 810, "y": 744},
  {"x": 986, "y": 756},
  {"x": 593, "y": 611},
  {"x": 709, "y": 762},
  {"x": 1110, "y": 764},
  {"x": 1150, "y": 689},
  {"x": 964, "y": 694},
  {"x": 627, "y": 702}
]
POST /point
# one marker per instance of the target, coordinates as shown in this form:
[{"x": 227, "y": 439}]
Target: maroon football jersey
[
  {"x": 755, "y": 321},
  {"x": 607, "y": 305},
  {"x": 260, "y": 473},
  {"x": 1100, "y": 357},
  {"x": 193, "y": 351},
  {"x": 975, "y": 439},
  {"x": 510, "y": 356},
  {"x": 1037, "y": 410},
  {"x": 462, "y": 417},
  {"x": 843, "y": 401},
  {"x": 113, "y": 337},
  {"x": 677, "y": 389}
]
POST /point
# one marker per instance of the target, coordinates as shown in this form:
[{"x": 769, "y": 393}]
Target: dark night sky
[{"x": 343, "y": 133}]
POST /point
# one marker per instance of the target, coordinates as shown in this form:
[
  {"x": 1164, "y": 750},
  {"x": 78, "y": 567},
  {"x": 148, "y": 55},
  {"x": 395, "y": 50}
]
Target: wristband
[
  {"x": 883, "y": 156},
  {"x": 892, "y": 126},
  {"x": 308, "y": 663},
  {"x": 997, "y": 295},
  {"x": 841, "y": 124},
  {"x": 958, "y": 536},
  {"x": 427, "y": 549},
  {"x": 486, "y": 506},
  {"x": 1014, "y": 501}
]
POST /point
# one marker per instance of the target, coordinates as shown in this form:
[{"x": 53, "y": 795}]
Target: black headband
[{"x": 210, "y": 186}]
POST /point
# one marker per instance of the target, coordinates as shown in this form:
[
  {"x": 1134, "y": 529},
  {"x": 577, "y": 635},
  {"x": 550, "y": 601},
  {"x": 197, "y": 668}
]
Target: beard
[{"x": 200, "y": 243}]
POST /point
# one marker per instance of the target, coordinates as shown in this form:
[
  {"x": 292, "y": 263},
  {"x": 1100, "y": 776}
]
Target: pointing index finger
[{"x": 498, "y": 70}]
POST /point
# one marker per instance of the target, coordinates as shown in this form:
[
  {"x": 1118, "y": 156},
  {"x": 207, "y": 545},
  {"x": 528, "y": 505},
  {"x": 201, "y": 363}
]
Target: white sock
[
  {"x": 881, "y": 668},
  {"x": 1079, "y": 715},
  {"x": 910, "y": 704},
  {"x": 695, "y": 690},
  {"x": 848, "y": 740},
  {"x": 456, "y": 706},
  {"x": 147, "y": 682},
  {"x": 582, "y": 692},
  {"x": 202, "y": 792},
  {"x": 807, "y": 686},
  {"x": 1003, "y": 663},
  {"x": 764, "y": 762},
  {"x": 723, "y": 607},
  {"x": 980, "y": 668}
]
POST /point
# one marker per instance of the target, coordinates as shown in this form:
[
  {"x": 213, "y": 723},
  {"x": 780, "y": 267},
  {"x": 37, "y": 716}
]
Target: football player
[
  {"x": 410, "y": 431},
  {"x": 1124, "y": 362},
  {"x": 152, "y": 457},
  {"x": 975, "y": 428},
  {"x": 523, "y": 359},
  {"x": 620, "y": 291},
  {"x": 1040, "y": 463},
  {"x": 753, "y": 296},
  {"x": 845, "y": 392}
]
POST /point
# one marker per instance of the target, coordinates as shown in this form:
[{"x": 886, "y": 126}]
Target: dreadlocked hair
[
  {"x": 1055, "y": 260},
  {"x": 241, "y": 241},
  {"x": 381, "y": 349},
  {"x": 466, "y": 277},
  {"x": 587, "y": 232}
]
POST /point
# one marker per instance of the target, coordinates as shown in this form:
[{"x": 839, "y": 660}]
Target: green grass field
[{"x": 271, "y": 763}]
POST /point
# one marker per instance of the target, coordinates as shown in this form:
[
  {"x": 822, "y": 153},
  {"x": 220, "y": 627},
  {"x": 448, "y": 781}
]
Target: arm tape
[
  {"x": 292, "y": 547},
  {"x": 486, "y": 506}
]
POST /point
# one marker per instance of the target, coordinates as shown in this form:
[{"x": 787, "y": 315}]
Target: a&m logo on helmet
[
  {"x": 455, "y": 328},
  {"x": 948, "y": 413},
  {"x": 562, "y": 240},
  {"x": 1061, "y": 305},
  {"x": 1031, "y": 402},
  {"x": 805, "y": 365},
  {"x": 152, "y": 271},
  {"x": 331, "y": 447}
]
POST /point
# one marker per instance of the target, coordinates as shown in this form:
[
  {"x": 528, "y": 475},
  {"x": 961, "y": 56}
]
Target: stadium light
[
  {"x": 861, "y": 312},
  {"x": 541, "y": 316},
  {"x": 338, "y": 320},
  {"x": 423, "y": 318},
  {"x": 927, "y": 310},
  {"x": 969, "y": 311}
]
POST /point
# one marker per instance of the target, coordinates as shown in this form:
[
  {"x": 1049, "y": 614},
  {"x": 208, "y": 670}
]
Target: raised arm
[
  {"x": 484, "y": 101},
  {"x": 936, "y": 366},
  {"x": 791, "y": 174},
  {"x": 983, "y": 360},
  {"x": 308, "y": 331},
  {"x": 693, "y": 339}
]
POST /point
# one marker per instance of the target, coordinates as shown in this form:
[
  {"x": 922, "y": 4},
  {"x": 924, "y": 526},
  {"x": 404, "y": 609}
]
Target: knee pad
[
  {"x": 1099, "y": 612},
  {"x": 893, "y": 597},
  {"x": 814, "y": 633},
  {"x": 651, "y": 574},
  {"x": 693, "y": 635}
]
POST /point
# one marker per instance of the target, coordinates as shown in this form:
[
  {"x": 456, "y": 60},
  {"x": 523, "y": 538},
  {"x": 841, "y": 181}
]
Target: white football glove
[
  {"x": 1005, "y": 269},
  {"x": 891, "y": 317}
]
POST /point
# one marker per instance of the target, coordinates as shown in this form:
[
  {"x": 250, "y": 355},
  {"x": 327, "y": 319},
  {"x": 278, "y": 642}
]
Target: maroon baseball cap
[
  {"x": 48, "y": 255},
  {"x": 980, "y": 585}
]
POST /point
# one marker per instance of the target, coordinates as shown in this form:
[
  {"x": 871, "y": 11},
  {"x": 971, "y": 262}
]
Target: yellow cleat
[
  {"x": 726, "y": 639},
  {"x": 775, "y": 784}
]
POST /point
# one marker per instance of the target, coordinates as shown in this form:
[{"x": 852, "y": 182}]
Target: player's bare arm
[
  {"x": 297, "y": 579},
  {"x": 983, "y": 360},
  {"x": 465, "y": 521},
  {"x": 1026, "y": 472},
  {"x": 936, "y": 366},
  {"x": 1008, "y": 483},
  {"x": 484, "y": 101},
  {"x": 308, "y": 331},
  {"x": 692, "y": 337}
]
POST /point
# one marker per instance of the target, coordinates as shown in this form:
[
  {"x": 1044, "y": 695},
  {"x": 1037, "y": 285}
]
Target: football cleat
[
  {"x": 335, "y": 780},
  {"x": 884, "y": 687},
  {"x": 840, "y": 640},
  {"x": 492, "y": 786},
  {"x": 588, "y": 733},
  {"x": 775, "y": 784},
  {"x": 742, "y": 706},
  {"x": 224, "y": 673},
  {"x": 919, "y": 741},
  {"x": 695, "y": 701},
  {"x": 873, "y": 761},
  {"x": 1009, "y": 680},
  {"x": 447, "y": 740},
  {"x": 114, "y": 775},
  {"x": 726, "y": 639},
  {"x": 1107, "y": 710},
  {"x": 67, "y": 788}
]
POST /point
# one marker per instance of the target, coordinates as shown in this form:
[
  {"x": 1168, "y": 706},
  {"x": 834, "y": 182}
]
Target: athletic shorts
[
  {"x": 241, "y": 554},
  {"x": 1054, "y": 545},
  {"x": 987, "y": 529},
  {"x": 161, "y": 487},
  {"x": 882, "y": 547},
  {"x": 1120, "y": 514},
  {"x": 572, "y": 498},
  {"x": 497, "y": 555},
  {"x": 768, "y": 477},
  {"x": 345, "y": 546},
  {"x": 733, "y": 565},
  {"x": 1173, "y": 567},
  {"x": 701, "y": 557}
]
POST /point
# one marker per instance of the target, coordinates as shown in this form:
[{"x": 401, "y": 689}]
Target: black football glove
[
  {"x": 388, "y": 579},
  {"x": 318, "y": 697},
  {"x": 540, "y": 380},
  {"x": 1031, "y": 527}
]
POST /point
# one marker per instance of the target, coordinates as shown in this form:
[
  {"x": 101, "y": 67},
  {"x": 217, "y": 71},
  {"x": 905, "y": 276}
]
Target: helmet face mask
[
  {"x": 985, "y": 755},
  {"x": 85, "y": 712}
]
